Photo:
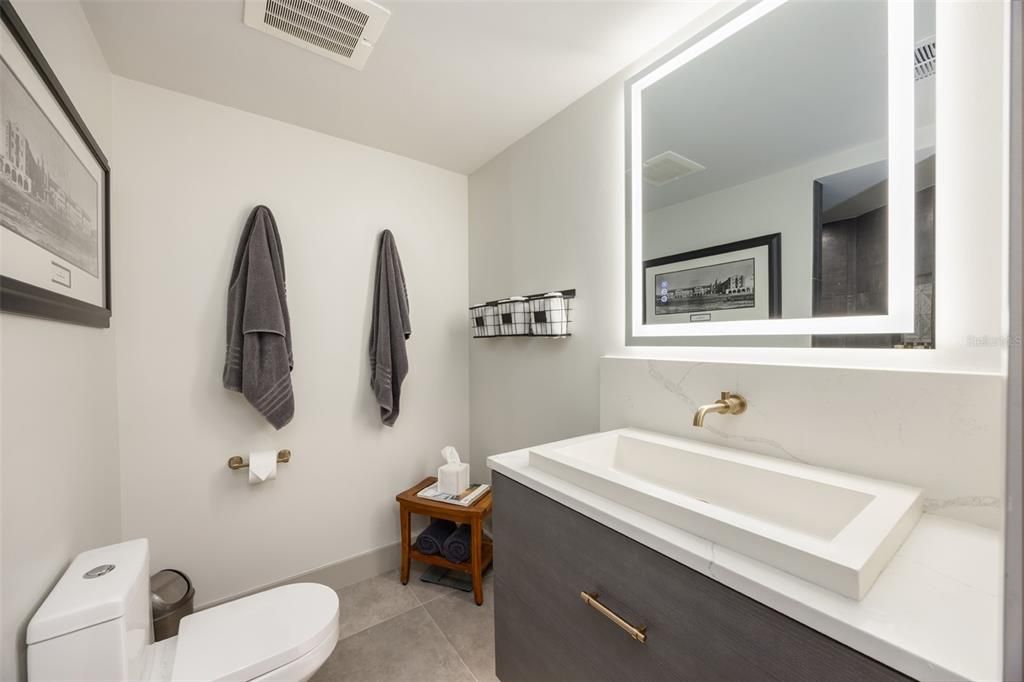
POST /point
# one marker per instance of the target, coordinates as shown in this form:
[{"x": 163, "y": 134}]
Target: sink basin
[{"x": 833, "y": 529}]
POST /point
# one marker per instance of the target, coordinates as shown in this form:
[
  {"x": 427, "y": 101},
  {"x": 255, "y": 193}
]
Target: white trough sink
[{"x": 832, "y": 529}]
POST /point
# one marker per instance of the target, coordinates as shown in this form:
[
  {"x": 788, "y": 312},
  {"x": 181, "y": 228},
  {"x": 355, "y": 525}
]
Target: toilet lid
[{"x": 248, "y": 637}]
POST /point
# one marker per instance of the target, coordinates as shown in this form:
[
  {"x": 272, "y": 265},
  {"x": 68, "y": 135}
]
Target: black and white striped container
[
  {"x": 549, "y": 315},
  {"x": 483, "y": 319},
  {"x": 514, "y": 316},
  {"x": 545, "y": 315}
]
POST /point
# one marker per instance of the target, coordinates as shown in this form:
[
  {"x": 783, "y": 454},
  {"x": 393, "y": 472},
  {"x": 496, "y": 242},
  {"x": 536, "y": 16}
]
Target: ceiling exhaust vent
[
  {"x": 668, "y": 167},
  {"x": 924, "y": 59},
  {"x": 343, "y": 31}
]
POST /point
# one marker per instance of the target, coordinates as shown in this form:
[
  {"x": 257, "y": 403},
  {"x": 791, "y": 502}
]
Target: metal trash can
[{"x": 171, "y": 595}]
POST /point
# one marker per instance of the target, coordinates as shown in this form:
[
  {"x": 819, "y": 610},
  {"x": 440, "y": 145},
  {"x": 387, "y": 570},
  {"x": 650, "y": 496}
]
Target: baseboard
[{"x": 336, "y": 576}]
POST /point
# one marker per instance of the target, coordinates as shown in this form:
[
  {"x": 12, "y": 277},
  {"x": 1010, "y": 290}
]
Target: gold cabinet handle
[{"x": 637, "y": 633}]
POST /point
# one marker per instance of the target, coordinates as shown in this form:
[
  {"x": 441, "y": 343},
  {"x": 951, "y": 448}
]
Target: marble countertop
[{"x": 934, "y": 613}]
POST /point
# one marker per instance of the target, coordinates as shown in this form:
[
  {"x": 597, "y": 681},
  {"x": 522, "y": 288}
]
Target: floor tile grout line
[
  {"x": 453, "y": 594},
  {"x": 381, "y": 622},
  {"x": 419, "y": 604},
  {"x": 434, "y": 598},
  {"x": 434, "y": 623},
  {"x": 451, "y": 644}
]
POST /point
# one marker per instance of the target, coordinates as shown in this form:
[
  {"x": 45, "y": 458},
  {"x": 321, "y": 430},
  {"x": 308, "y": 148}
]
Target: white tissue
[
  {"x": 262, "y": 466},
  {"x": 450, "y": 455}
]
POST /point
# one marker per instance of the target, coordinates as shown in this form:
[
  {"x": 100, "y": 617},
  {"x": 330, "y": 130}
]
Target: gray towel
[
  {"x": 456, "y": 547},
  {"x": 258, "y": 361},
  {"x": 431, "y": 540},
  {"x": 389, "y": 329}
]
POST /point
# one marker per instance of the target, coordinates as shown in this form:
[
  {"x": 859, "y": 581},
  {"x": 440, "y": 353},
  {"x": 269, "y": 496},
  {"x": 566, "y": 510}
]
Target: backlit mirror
[{"x": 780, "y": 179}]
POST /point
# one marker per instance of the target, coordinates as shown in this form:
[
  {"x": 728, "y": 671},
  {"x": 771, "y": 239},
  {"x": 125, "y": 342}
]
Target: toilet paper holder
[{"x": 236, "y": 462}]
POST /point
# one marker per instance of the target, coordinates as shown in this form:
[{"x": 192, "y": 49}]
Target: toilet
[{"x": 96, "y": 625}]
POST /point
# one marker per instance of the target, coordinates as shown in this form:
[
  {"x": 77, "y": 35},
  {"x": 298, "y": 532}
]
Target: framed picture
[
  {"x": 736, "y": 281},
  {"x": 54, "y": 192}
]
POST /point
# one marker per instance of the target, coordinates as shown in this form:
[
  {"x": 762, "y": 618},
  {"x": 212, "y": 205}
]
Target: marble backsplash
[{"x": 942, "y": 432}]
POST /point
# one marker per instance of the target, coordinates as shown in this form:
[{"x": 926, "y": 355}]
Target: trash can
[{"x": 171, "y": 595}]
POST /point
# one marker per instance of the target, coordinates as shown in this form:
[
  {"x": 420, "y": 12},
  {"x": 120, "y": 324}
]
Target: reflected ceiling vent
[
  {"x": 343, "y": 31},
  {"x": 668, "y": 167},
  {"x": 924, "y": 59}
]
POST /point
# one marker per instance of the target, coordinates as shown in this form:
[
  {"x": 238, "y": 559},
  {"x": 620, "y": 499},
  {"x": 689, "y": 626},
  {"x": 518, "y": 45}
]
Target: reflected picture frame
[
  {"x": 740, "y": 280},
  {"x": 55, "y": 200}
]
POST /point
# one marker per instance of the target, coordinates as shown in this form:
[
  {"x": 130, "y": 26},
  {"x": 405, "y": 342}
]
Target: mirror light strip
[{"x": 901, "y": 193}]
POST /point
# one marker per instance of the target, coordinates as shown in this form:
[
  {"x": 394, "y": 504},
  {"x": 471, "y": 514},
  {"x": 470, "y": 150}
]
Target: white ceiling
[{"x": 448, "y": 83}]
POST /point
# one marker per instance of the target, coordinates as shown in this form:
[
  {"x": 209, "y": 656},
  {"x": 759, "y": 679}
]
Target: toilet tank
[{"x": 95, "y": 624}]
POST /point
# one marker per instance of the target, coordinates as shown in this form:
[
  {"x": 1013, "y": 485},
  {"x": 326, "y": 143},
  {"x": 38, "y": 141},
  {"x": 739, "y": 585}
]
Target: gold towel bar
[{"x": 237, "y": 462}]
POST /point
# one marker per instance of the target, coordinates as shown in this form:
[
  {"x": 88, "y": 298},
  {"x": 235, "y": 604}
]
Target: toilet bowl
[{"x": 96, "y": 625}]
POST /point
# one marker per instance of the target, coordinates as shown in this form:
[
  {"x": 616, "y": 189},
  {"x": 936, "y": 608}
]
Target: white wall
[
  {"x": 59, "y": 421},
  {"x": 549, "y": 213},
  {"x": 189, "y": 171},
  {"x": 540, "y": 221},
  {"x": 546, "y": 214}
]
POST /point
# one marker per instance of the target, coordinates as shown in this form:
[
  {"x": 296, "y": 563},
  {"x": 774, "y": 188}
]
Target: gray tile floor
[{"x": 393, "y": 632}]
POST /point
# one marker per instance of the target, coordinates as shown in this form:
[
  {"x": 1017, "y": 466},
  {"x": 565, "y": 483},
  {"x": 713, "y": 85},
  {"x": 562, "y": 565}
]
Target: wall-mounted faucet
[{"x": 729, "y": 403}]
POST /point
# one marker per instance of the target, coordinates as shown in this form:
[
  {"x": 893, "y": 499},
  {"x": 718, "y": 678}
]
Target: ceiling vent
[
  {"x": 343, "y": 31},
  {"x": 924, "y": 59},
  {"x": 668, "y": 167}
]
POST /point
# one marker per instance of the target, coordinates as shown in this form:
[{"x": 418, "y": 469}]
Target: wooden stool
[{"x": 481, "y": 548}]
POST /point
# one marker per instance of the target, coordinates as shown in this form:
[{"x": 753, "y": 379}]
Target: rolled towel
[
  {"x": 431, "y": 540},
  {"x": 456, "y": 547}
]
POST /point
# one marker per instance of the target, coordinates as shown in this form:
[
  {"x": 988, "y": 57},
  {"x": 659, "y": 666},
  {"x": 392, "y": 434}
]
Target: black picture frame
[
  {"x": 772, "y": 241},
  {"x": 27, "y": 299}
]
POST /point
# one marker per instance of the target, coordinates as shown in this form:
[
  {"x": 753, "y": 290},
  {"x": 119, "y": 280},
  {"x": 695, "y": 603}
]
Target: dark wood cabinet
[{"x": 697, "y": 629}]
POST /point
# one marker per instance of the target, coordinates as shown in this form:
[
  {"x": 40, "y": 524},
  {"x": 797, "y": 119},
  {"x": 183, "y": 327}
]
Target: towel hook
[{"x": 236, "y": 462}]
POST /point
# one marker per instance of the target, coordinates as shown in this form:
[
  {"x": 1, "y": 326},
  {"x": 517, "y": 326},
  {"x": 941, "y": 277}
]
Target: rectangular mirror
[{"x": 780, "y": 179}]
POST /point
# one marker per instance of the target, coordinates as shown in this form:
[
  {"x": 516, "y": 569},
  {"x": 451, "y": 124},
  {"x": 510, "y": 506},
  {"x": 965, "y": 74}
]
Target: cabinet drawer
[{"x": 547, "y": 554}]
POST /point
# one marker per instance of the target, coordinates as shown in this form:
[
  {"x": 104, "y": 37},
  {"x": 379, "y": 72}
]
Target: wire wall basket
[{"x": 548, "y": 315}]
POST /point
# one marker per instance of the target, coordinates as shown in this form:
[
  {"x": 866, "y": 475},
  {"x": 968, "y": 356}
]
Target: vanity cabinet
[{"x": 696, "y": 628}]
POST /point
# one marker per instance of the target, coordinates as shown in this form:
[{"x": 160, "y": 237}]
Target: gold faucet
[{"x": 729, "y": 403}]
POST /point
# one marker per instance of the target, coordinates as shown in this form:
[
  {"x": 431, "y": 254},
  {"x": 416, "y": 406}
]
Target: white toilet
[{"x": 96, "y": 625}]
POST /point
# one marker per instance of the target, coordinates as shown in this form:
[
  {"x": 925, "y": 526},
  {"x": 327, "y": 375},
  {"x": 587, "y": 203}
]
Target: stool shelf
[{"x": 487, "y": 555}]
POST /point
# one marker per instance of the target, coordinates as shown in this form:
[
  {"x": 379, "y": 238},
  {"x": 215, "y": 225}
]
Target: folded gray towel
[
  {"x": 389, "y": 329},
  {"x": 456, "y": 548},
  {"x": 431, "y": 540},
  {"x": 258, "y": 361}
]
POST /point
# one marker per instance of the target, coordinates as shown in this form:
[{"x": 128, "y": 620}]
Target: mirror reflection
[{"x": 765, "y": 175}]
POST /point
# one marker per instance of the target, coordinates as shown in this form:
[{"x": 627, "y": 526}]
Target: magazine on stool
[{"x": 464, "y": 499}]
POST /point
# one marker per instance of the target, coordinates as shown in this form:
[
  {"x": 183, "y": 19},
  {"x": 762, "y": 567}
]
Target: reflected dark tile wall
[{"x": 853, "y": 275}]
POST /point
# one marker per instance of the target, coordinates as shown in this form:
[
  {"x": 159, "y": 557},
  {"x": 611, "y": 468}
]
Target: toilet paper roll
[{"x": 262, "y": 466}]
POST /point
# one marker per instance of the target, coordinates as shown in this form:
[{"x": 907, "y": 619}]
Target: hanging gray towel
[
  {"x": 258, "y": 361},
  {"x": 389, "y": 329}
]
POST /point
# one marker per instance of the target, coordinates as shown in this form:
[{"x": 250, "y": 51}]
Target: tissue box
[{"x": 452, "y": 479}]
